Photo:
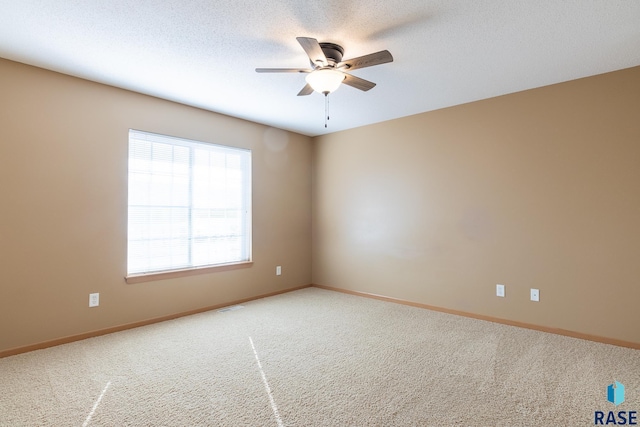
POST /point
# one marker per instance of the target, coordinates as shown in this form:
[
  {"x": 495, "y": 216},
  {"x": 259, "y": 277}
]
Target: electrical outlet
[
  {"x": 278, "y": 270},
  {"x": 94, "y": 300},
  {"x": 535, "y": 294},
  {"x": 500, "y": 290}
]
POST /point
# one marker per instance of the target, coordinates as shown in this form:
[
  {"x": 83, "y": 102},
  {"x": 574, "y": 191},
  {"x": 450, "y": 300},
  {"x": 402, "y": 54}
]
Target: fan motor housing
[{"x": 333, "y": 52}]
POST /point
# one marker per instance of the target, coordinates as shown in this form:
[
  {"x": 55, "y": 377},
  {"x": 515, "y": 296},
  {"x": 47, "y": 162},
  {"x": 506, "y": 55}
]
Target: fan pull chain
[{"x": 326, "y": 108}]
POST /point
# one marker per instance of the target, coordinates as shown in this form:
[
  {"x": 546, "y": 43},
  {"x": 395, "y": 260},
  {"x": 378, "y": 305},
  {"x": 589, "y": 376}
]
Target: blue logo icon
[{"x": 615, "y": 393}]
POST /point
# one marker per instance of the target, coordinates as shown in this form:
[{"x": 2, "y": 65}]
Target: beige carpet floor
[{"x": 318, "y": 358}]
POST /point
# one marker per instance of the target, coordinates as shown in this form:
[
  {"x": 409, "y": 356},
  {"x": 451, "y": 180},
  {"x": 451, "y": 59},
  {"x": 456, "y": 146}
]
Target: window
[{"x": 189, "y": 204}]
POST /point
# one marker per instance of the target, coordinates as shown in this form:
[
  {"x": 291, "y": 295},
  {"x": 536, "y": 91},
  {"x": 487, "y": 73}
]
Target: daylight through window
[{"x": 189, "y": 204}]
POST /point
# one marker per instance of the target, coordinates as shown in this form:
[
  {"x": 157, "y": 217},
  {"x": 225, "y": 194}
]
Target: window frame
[{"x": 138, "y": 277}]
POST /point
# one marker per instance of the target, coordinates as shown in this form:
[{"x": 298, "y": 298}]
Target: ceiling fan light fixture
[{"x": 325, "y": 80}]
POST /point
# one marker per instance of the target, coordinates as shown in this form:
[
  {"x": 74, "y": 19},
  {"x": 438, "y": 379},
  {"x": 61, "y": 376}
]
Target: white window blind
[{"x": 189, "y": 204}]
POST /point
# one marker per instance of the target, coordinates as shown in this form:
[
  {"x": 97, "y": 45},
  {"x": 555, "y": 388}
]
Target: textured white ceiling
[{"x": 204, "y": 52}]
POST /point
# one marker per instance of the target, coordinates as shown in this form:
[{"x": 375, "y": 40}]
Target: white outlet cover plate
[
  {"x": 500, "y": 290},
  {"x": 94, "y": 300},
  {"x": 535, "y": 295},
  {"x": 278, "y": 270}
]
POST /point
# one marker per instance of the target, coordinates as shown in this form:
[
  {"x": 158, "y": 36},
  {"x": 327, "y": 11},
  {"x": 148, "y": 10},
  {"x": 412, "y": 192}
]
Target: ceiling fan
[{"x": 328, "y": 70}]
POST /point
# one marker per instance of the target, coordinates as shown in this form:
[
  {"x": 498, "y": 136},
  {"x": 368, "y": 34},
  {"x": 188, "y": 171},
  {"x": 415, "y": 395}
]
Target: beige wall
[
  {"x": 63, "y": 189},
  {"x": 535, "y": 189}
]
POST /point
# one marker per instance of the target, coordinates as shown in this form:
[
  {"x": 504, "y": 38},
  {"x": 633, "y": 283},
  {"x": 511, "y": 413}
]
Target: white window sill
[{"x": 172, "y": 274}]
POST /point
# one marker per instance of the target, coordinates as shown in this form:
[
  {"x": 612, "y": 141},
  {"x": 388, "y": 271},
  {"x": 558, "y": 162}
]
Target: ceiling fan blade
[
  {"x": 306, "y": 90},
  {"x": 313, "y": 50},
  {"x": 358, "y": 83},
  {"x": 377, "y": 58},
  {"x": 283, "y": 70}
]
